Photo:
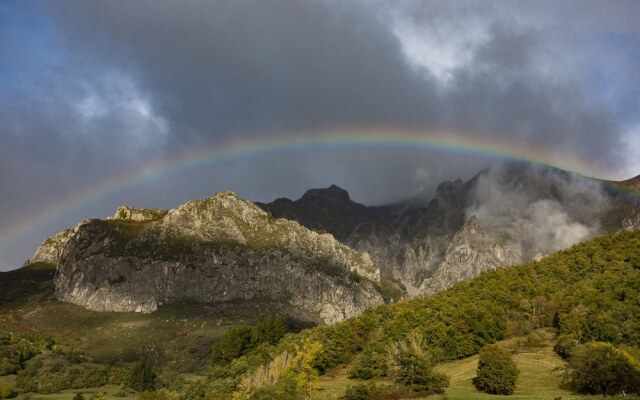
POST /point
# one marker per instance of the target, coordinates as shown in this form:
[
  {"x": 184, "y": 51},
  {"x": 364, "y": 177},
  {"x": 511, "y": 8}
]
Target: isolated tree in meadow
[
  {"x": 414, "y": 366},
  {"x": 497, "y": 373}
]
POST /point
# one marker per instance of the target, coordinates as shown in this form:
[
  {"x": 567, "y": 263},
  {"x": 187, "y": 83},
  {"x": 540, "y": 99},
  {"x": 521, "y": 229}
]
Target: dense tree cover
[
  {"x": 601, "y": 368},
  {"x": 588, "y": 292},
  {"x": 50, "y": 372},
  {"x": 497, "y": 373},
  {"x": 412, "y": 367},
  {"x": 142, "y": 376},
  {"x": 239, "y": 340},
  {"x": 16, "y": 349}
]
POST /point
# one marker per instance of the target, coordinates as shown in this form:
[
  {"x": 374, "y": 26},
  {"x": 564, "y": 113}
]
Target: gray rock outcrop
[
  {"x": 214, "y": 250},
  {"x": 51, "y": 249}
]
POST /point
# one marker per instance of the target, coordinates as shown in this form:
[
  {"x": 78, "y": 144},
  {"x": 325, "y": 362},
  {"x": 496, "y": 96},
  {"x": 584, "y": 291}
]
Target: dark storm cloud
[
  {"x": 93, "y": 89},
  {"x": 238, "y": 66},
  {"x": 503, "y": 94},
  {"x": 228, "y": 67}
]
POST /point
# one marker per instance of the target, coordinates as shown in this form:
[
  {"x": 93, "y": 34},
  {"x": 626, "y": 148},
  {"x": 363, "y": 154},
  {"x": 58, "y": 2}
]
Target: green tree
[
  {"x": 497, "y": 373},
  {"x": 142, "y": 376},
  {"x": 7, "y": 392},
  {"x": 232, "y": 345},
  {"x": 601, "y": 368},
  {"x": 415, "y": 371},
  {"x": 78, "y": 396}
]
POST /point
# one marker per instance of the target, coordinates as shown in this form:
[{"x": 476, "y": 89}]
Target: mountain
[
  {"x": 505, "y": 215},
  {"x": 220, "y": 249},
  {"x": 326, "y": 255}
]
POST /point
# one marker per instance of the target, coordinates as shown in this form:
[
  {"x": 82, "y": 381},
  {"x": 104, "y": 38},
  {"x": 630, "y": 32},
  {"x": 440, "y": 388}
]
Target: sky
[{"x": 105, "y": 103}]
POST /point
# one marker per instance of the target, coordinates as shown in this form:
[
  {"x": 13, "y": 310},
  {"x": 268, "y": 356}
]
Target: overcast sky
[{"x": 95, "y": 90}]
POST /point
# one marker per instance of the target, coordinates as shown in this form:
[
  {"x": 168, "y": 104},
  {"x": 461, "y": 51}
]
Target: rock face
[
  {"x": 504, "y": 215},
  {"x": 226, "y": 249},
  {"x": 138, "y": 214},
  {"x": 50, "y": 250},
  {"x": 213, "y": 250},
  {"x": 471, "y": 251}
]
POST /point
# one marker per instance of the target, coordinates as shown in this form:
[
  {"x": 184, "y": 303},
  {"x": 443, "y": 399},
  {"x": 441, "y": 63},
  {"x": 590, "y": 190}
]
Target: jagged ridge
[{"x": 211, "y": 250}]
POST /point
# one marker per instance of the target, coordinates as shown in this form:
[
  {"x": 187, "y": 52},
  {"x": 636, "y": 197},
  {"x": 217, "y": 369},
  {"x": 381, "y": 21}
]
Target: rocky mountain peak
[
  {"x": 138, "y": 214},
  {"x": 471, "y": 227},
  {"x": 332, "y": 194},
  {"x": 50, "y": 250},
  {"x": 450, "y": 193},
  {"x": 217, "y": 249}
]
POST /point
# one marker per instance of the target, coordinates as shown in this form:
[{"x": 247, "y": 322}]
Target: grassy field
[
  {"x": 537, "y": 379},
  {"x": 107, "y": 392}
]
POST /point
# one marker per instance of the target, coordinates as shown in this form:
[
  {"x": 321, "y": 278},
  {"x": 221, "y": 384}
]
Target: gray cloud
[
  {"x": 545, "y": 210},
  {"x": 103, "y": 88},
  {"x": 242, "y": 66}
]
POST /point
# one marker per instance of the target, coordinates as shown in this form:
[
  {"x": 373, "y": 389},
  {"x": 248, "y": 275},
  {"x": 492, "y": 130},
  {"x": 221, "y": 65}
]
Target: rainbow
[{"x": 262, "y": 146}]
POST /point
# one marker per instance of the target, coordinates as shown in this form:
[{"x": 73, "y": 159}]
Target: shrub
[
  {"x": 565, "y": 345},
  {"x": 601, "y": 368},
  {"x": 7, "y": 392},
  {"x": 497, "y": 373},
  {"x": 415, "y": 372},
  {"x": 143, "y": 378}
]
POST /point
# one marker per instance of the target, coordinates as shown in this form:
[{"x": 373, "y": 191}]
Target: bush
[
  {"x": 497, "y": 373},
  {"x": 143, "y": 378},
  {"x": 7, "y": 392},
  {"x": 240, "y": 340},
  {"x": 357, "y": 392},
  {"x": 601, "y": 368},
  {"x": 415, "y": 372},
  {"x": 565, "y": 345}
]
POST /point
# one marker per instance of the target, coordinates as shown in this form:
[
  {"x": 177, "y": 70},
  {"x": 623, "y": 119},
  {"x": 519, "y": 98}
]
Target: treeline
[
  {"x": 17, "y": 349},
  {"x": 44, "y": 366}
]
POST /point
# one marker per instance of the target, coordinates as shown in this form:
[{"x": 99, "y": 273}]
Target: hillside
[{"x": 588, "y": 293}]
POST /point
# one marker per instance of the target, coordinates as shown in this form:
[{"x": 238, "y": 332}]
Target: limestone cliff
[
  {"x": 504, "y": 215},
  {"x": 471, "y": 251},
  {"x": 214, "y": 250},
  {"x": 50, "y": 250}
]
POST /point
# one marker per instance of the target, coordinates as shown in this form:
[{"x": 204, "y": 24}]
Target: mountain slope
[
  {"x": 523, "y": 212},
  {"x": 588, "y": 292},
  {"x": 213, "y": 250}
]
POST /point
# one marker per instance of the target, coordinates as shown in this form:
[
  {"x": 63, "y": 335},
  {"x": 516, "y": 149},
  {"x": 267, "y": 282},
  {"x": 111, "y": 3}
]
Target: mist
[{"x": 543, "y": 209}]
